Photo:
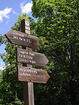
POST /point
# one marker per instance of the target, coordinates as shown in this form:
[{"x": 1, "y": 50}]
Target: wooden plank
[
  {"x": 33, "y": 58},
  {"x": 32, "y": 75},
  {"x": 23, "y": 39},
  {"x": 28, "y": 92}
]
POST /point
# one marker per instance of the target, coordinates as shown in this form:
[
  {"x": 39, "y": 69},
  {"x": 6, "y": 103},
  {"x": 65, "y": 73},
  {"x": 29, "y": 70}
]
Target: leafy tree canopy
[{"x": 57, "y": 27}]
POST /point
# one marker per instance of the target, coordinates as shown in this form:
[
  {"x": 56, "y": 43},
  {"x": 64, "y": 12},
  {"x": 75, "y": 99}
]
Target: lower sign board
[
  {"x": 32, "y": 75},
  {"x": 30, "y": 57}
]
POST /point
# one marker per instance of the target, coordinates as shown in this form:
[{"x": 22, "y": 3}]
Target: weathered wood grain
[
  {"x": 32, "y": 75},
  {"x": 31, "y": 57},
  {"x": 20, "y": 38}
]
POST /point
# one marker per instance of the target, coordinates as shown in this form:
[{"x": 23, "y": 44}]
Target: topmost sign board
[
  {"x": 23, "y": 39},
  {"x": 25, "y": 26}
]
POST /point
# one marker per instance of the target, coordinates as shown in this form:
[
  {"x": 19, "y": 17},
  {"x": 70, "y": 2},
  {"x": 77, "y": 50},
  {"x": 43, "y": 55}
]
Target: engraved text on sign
[
  {"x": 23, "y": 39},
  {"x": 31, "y": 57},
  {"x": 32, "y": 75}
]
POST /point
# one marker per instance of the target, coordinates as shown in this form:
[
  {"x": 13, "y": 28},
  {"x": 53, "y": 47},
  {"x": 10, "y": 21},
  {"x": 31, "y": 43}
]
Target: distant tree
[{"x": 1, "y": 39}]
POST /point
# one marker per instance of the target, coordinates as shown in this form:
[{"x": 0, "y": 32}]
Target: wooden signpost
[
  {"x": 28, "y": 86},
  {"x": 26, "y": 56}
]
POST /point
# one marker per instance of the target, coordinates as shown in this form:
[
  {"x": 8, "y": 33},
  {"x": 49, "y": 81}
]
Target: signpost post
[
  {"x": 28, "y": 86},
  {"x": 25, "y": 55}
]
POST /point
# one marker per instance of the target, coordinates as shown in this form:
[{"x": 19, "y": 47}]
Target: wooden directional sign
[
  {"x": 30, "y": 57},
  {"x": 23, "y": 39},
  {"x": 32, "y": 75}
]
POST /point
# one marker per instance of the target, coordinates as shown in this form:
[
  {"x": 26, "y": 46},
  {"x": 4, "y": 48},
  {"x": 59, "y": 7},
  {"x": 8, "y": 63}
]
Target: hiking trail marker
[
  {"x": 31, "y": 57},
  {"x": 20, "y": 38},
  {"x": 26, "y": 56},
  {"x": 32, "y": 75}
]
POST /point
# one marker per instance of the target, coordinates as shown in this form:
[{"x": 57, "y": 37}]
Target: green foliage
[
  {"x": 57, "y": 28},
  {"x": 0, "y": 76},
  {"x": 1, "y": 41}
]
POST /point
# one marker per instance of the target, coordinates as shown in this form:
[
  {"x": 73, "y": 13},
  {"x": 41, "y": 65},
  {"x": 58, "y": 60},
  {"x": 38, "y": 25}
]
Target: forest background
[{"x": 57, "y": 26}]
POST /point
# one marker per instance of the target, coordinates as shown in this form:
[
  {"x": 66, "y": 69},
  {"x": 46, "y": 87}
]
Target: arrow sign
[
  {"x": 32, "y": 75},
  {"x": 23, "y": 39},
  {"x": 30, "y": 57}
]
